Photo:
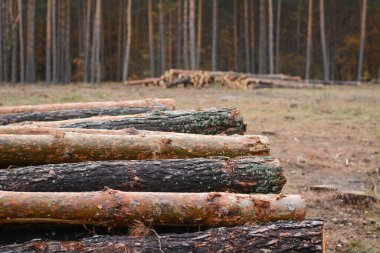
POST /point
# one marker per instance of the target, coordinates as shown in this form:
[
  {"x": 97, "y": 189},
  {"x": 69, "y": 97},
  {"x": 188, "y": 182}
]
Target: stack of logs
[
  {"x": 234, "y": 80},
  {"x": 91, "y": 164}
]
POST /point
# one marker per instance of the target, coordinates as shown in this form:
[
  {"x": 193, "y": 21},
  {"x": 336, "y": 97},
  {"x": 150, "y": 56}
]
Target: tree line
[{"x": 94, "y": 40}]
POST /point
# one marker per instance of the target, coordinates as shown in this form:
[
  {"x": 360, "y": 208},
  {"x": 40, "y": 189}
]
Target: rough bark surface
[
  {"x": 243, "y": 175},
  {"x": 54, "y": 146},
  {"x": 207, "y": 121},
  {"x": 305, "y": 236},
  {"x": 6, "y": 119},
  {"x": 87, "y": 106},
  {"x": 111, "y": 208}
]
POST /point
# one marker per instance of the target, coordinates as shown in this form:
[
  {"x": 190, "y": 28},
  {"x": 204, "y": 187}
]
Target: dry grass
[{"x": 327, "y": 136}]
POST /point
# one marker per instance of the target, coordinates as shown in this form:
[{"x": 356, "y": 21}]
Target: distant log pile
[
  {"x": 161, "y": 169},
  {"x": 234, "y": 80}
]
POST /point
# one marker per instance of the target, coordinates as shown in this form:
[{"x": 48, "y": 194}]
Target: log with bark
[
  {"x": 6, "y": 119},
  {"x": 260, "y": 174},
  {"x": 146, "y": 81},
  {"x": 284, "y": 236},
  {"x": 207, "y": 121},
  {"x": 167, "y": 102},
  {"x": 112, "y": 208},
  {"x": 68, "y": 146}
]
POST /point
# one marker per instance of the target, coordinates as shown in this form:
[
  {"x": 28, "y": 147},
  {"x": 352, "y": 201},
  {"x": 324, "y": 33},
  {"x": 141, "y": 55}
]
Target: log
[
  {"x": 71, "y": 147},
  {"x": 112, "y": 208},
  {"x": 243, "y": 175},
  {"x": 145, "y": 81},
  {"x": 284, "y": 236},
  {"x": 88, "y": 106},
  {"x": 6, "y": 119},
  {"x": 208, "y": 121}
]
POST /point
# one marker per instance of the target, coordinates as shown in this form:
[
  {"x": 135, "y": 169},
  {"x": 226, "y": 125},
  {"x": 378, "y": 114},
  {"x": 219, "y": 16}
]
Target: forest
[{"x": 97, "y": 41}]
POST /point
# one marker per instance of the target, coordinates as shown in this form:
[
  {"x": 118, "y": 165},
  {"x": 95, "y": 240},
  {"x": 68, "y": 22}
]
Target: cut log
[
  {"x": 167, "y": 102},
  {"x": 146, "y": 81},
  {"x": 207, "y": 121},
  {"x": 324, "y": 188},
  {"x": 6, "y": 119},
  {"x": 303, "y": 237},
  {"x": 112, "y": 208},
  {"x": 67, "y": 146},
  {"x": 357, "y": 198},
  {"x": 244, "y": 175}
]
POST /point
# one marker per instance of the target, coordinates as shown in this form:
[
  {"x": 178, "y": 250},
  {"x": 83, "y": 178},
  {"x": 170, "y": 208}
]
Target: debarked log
[
  {"x": 167, "y": 102},
  {"x": 68, "y": 147},
  {"x": 6, "y": 119},
  {"x": 207, "y": 121},
  {"x": 257, "y": 174},
  {"x": 284, "y": 236},
  {"x": 111, "y": 208}
]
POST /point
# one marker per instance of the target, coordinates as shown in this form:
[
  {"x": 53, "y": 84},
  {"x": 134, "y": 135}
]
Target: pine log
[
  {"x": 88, "y": 106},
  {"x": 6, "y": 119},
  {"x": 284, "y": 236},
  {"x": 111, "y": 208},
  {"x": 146, "y": 81},
  {"x": 207, "y": 121},
  {"x": 70, "y": 147},
  {"x": 244, "y": 175}
]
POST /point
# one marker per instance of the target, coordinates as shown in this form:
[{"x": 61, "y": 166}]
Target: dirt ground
[{"x": 323, "y": 136}]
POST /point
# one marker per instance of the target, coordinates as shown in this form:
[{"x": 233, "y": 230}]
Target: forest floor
[{"x": 322, "y": 136}]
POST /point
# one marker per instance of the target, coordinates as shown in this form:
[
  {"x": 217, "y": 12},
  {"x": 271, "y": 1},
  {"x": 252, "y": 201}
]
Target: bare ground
[{"x": 324, "y": 136}]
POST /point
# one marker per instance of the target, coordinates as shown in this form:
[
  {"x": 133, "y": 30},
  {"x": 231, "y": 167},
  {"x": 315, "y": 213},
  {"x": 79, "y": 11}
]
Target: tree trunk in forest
[
  {"x": 253, "y": 56},
  {"x": 218, "y": 174},
  {"x": 162, "y": 36},
  {"x": 67, "y": 73},
  {"x": 185, "y": 31},
  {"x": 362, "y": 39},
  {"x": 6, "y": 40},
  {"x": 246, "y": 37},
  {"x": 1, "y": 42},
  {"x": 14, "y": 19},
  {"x": 66, "y": 146},
  {"x": 6, "y": 119},
  {"x": 151, "y": 39},
  {"x": 193, "y": 53},
  {"x": 31, "y": 61},
  {"x": 305, "y": 236},
  {"x": 309, "y": 39},
  {"x": 270, "y": 36},
  {"x": 87, "y": 44},
  {"x": 179, "y": 33},
  {"x": 262, "y": 37},
  {"x": 151, "y": 103},
  {"x": 214, "y": 35},
  {"x": 111, "y": 208},
  {"x": 278, "y": 30},
  {"x": 21, "y": 39},
  {"x": 170, "y": 41},
  {"x": 95, "y": 56},
  {"x": 199, "y": 36},
  {"x": 48, "y": 42},
  {"x": 128, "y": 45},
  {"x": 235, "y": 36},
  {"x": 54, "y": 41},
  {"x": 208, "y": 121},
  {"x": 326, "y": 68},
  {"x": 298, "y": 37}
]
